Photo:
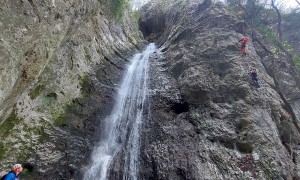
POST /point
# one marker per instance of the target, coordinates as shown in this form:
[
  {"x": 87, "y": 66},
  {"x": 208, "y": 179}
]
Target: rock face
[
  {"x": 60, "y": 63},
  {"x": 208, "y": 120}
]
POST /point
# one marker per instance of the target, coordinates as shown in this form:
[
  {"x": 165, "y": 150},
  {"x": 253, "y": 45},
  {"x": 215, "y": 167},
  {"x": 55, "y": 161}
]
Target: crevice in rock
[
  {"x": 35, "y": 10},
  {"x": 29, "y": 167},
  {"x": 227, "y": 144},
  {"x": 120, "y": 55},
  {"x": 244, "y": 147},
  {"x": 288, "y": 107},
  {"x": 112, "y": 63},
  {"x": 180, "y": 107},
  {"x": 52, "y": 95},
  {"x": 181, "y": 173}
]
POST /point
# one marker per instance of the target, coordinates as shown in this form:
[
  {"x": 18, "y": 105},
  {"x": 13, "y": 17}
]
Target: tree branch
[
  {"x": 279, "y": 20},
  {"x": 298, "y": 2}
]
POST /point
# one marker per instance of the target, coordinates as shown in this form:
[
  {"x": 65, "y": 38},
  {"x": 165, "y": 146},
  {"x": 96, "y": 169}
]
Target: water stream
[
  {"x": 121, "y": 129},
  {"x": 136, "y": 4}
]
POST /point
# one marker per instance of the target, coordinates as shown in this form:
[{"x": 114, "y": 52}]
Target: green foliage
[
  {"x": 136, "y": 15},
  {"x": 297, "y": 61},
  {"x": 116, "y": 7},
  {"x": 287, "y": 46},
  {"x": 292, "y": 20},
  {"x": 269, "y": 33}
]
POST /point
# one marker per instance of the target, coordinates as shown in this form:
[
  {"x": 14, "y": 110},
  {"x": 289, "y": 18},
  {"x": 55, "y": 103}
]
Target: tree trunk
[{"x": 279, "y": 20}]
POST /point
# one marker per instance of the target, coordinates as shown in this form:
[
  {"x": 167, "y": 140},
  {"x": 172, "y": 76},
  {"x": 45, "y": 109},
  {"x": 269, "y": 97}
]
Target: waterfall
[
  {"x": 121, "y": 129},
  {"x": 136, "y": 4}
]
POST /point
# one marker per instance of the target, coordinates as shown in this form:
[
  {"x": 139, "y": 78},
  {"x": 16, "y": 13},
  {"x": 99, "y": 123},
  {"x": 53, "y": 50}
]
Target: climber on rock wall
[
  {"x": 253, "y": 75},
  {"x": 243, "y": 41}
]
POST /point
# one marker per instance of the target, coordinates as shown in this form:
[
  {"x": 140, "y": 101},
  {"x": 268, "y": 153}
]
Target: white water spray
[
  {"x": 136, "y": 4},
  {"x": 121, "y": 130}
]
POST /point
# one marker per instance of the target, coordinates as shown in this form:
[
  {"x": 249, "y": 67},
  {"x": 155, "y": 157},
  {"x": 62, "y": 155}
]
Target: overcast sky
[{"x": 291, "y": 4}]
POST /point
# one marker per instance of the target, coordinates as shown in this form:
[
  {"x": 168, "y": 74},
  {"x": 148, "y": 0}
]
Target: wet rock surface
[
  {"x": 64, "y": 59},
  {"x": 61, "y": 62},
  {"x": 208, "y": 120}
]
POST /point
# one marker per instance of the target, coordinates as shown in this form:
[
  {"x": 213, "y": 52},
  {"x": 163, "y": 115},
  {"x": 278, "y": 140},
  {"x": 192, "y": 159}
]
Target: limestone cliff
[
  {"x": 53, "y": 54},
  {"x": 61, "y": 63},
  {"x": 208, "y": 120}
]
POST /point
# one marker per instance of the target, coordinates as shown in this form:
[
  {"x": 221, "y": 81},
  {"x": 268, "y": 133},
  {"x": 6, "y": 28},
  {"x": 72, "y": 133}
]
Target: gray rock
[
  {"x": 59, "y": 63},
  {"x": 210, "y": 121}
]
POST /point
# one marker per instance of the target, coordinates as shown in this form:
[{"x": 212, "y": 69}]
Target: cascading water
[
  {"x": 136, "y": 4},
  {"x": 121, "y": 130}
]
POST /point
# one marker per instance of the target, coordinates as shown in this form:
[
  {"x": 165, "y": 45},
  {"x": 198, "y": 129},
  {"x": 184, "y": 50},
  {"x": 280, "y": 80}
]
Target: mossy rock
[
  {"x": 36, "y": 91},
  {"x": 9, "y": 124}
]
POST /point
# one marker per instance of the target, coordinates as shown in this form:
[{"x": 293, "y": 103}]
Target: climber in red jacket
[{"x": 244, "y": 41}]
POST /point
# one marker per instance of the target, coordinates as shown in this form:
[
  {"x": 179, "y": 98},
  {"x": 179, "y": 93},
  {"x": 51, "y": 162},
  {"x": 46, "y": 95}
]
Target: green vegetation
[
  {"x": 136, "y": 16},
  {"x": 43, "y": 136},
  {"x": 297, "y": 61},
  {"x": 36, "y": 91},
  {"x": 61, "y": 118},
  {"x": 117, "y": 7},
  {"x": 9, "y": 124},
  {"x": 46, "y": 101},
  {"x": 3, "y": 151},
  {"x": 269, "y": 33},
  {"x": 5, "y": 130},
  {"x": 84, "y": 82},
  {"x": 23, "y": 156}
]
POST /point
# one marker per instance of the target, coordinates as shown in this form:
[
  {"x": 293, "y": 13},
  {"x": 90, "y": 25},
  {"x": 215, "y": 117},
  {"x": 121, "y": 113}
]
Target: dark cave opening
[
  {"x": 244, "y": 148},
  {"x": 28, "y": 167},
  {"x": 180, "y": 107}
]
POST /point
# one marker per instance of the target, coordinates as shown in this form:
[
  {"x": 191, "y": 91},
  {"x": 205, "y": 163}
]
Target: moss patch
[
  {"x": 63, "y": 116},
  {"x": 297, "y": 61},
  {"x": 6, "y": 129},
  {"x": 36, "y": 91},
  {"x": 3, "y": 151},
  {"x": 116, "y": 7},
  {"x": 85, "y": 86},
  {"x": 60, "y": 120},
  {"x": 9, "y": 124},
  {"x": 136, "y": 16}
]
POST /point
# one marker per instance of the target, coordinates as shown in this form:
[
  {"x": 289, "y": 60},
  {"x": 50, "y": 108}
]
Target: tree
[
  {"x": 257, "y": 15},
  {"x": 279, "y": 21}
]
